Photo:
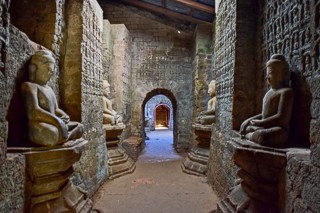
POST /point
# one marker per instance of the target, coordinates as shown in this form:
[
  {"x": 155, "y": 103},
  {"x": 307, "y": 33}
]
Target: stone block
[{"x": 133, "y": 146}]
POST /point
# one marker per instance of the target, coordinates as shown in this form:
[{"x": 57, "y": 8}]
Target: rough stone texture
[
  {"x": 203, "y": 67},
  {"x": 119, "y": 162},
  {"x": 162, "y": 58},
  {"x": 12, "y": 183},
  {"x": 42, "y": 21},
  {"x": 293, "y": 28},
  {"x": 47, "y": 184},
  {"x": 82, "y": 87},
  {"x": 107, "y": 48},
  {"x": 133, "y": 146},
  {"x": 303, "y": 185},
  {"x": 221, "y": 168},
  {"x": 4, "y": 37}
]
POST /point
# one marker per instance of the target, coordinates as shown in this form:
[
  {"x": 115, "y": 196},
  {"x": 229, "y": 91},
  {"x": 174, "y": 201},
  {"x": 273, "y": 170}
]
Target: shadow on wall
[
  {"x": 17, "y": 115},
  {"x": 301, "y": 115}
]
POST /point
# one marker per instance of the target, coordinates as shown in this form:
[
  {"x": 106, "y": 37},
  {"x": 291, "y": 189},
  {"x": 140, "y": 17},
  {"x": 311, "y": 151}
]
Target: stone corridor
[{"x": 158, "y": 184}]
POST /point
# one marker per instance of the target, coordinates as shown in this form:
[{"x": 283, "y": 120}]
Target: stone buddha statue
[
  {"x": 208, "y": 117},
  {"x": 110, "y": 116},
  {"x": 48, "y": 125},
  {"x": 271, "y": 127}
]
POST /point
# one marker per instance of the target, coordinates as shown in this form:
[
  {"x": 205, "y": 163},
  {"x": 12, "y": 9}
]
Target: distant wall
[{"x": 161, "y": 58}]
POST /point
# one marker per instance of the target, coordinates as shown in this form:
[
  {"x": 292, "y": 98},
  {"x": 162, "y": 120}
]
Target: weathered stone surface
[
  {"x": 48, "y": 172},
  {"x": 261, "y": 173},
  {"x": 133, "y": 146},
  {"x": 119, "y": 163},
  {"x": 221, "y": 168},
  {"x": 202, "y": 65},
  {"x": 81, "y": 85},
  {"x": 12, "y": 183},
  {"x": 197, "y": 160}
]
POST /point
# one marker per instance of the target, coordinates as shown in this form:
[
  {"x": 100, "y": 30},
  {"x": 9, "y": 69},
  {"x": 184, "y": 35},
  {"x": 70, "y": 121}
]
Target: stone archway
[
  {"x": 162, "y": 116},
  {"x": 170, "y": 104}
]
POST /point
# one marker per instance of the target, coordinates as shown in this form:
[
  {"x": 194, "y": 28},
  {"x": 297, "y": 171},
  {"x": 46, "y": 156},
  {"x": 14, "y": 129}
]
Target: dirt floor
[{"x": 157, "y": 185}]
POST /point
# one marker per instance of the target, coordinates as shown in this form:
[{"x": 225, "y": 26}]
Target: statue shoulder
[{"x": 28, "y": 85}]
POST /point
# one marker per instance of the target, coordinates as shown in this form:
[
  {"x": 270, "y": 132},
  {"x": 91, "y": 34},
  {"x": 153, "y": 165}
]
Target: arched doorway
[
  {"x": 158, "y": 108},
  {"x": 162, "y": 116}
]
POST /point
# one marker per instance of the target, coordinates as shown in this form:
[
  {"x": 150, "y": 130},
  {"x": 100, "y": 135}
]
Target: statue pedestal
[
  {"x": 196, "y": 161},
  {"x": 262, "y": 174},
  {"x": 119, "y": 163},
  {"x": 48, "y": 188}
]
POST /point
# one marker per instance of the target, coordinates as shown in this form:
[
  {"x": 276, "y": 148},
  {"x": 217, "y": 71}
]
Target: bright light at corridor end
[{"x": 179, "y": 31}]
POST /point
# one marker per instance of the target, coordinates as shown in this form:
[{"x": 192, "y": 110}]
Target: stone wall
[
  {"x": 82, "y": 86},
  {"x": 203, "y": 67},
  {"x": 293, "y": 29},
  {"x": 239, "y": 83},
  {"x": 12, "y": 183},
  {"x": 222, "y": 178},
  {"x": 13, "y": 120},
  {"x": 120, "y": 77},
  {"x": 41, "y": 20},
  {"x": 6, "y": 94},
  {"x": 161, "y": 58}
]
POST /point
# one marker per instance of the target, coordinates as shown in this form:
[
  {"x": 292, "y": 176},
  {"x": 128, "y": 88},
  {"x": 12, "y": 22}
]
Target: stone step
[
  {"x": 193, "y": 167},
  {"x": 201, "y": 152},
  {"x": 115, "y": 161},
  {"x": 119, "y": 170},
  {"x": 197, "y": 158},
  {"x": 225, "y": 207}
]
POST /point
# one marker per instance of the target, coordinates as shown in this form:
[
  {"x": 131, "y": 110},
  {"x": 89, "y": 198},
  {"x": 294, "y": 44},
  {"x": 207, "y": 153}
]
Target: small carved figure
[
  {"x": 48, "y": 125},
  {"x": 208, "y": 117},
  {"x": 271, "y": 127},
  {"x": 110, "y": 116}
]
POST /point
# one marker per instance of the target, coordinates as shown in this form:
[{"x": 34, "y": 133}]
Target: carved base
[
  {"x": 48, "y": 186},
  {"x": 203, "y": 135},
  {"x": 119, "y": 163},
  {"x": 262, "y": 173},
  {"x": 196, "y": 161}
]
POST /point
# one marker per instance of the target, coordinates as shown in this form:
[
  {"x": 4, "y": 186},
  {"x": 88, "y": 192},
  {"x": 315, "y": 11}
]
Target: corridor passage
[{"x": 158, "y": 184}]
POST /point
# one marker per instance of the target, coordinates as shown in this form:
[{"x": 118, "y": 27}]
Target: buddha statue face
[
  {"x": 41, "y": 67},
  {"x": 106, "y": 88},
  {"x": 278, "y": 74}
]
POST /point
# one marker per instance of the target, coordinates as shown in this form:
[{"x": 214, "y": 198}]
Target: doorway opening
[{"x": 158, "y": 126}]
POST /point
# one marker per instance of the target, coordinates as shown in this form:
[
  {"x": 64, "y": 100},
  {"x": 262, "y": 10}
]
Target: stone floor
[{"x": 157, "y": 185}]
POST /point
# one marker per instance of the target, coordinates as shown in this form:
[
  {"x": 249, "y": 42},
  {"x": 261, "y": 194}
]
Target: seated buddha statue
[
  {"x": 48, "y": 124},
  {"x": 208, "y": 117},
  {"x": 110, "y": 116},
  {"x": 271, "y": 127}
]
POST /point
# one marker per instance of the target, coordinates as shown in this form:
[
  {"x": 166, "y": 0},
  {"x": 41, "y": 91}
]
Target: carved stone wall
[
  {"x": 221, "y": 169},
  {"x": 293, "y": 29},
  {"x": 239, "y": 83},
  {"x": 120, "y": 76},
  {"x": 13, "y": 119},
  {"x": 41, "y": 20},
  {"x": 82, "y": 86},
  {"x": 161, "y": 58},
  {"x": 203, "y": 67},
  {"x": 12, "y": 183},
  {"x": 5, "y": 97}
]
